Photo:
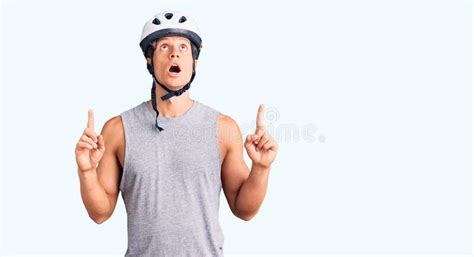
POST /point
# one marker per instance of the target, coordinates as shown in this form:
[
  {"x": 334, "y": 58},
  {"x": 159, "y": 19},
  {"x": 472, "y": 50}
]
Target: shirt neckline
[{"x": 170, "y": 119}]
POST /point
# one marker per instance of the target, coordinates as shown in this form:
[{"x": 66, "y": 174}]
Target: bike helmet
[{"x": 169, "y": 23}]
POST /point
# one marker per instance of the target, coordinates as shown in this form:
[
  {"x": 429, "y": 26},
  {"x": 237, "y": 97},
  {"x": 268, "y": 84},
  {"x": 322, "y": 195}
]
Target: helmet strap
[{"x": 170, "y": 93}]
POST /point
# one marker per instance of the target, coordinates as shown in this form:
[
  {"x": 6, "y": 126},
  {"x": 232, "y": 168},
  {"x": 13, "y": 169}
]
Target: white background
[{"x": 386, "y": 84}]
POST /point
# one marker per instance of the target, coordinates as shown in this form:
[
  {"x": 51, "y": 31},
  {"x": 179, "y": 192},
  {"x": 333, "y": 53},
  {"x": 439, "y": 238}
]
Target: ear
[
  {"x": 148, "y": 60},
  {"x": 195, "y": 64}
]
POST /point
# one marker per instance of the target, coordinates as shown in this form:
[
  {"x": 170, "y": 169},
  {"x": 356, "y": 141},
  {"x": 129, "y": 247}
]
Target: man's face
[{"x": 173, "y": 61}]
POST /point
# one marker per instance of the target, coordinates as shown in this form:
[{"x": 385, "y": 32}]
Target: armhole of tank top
[
  {"x": 218, "y": 148},
  {"x": 125, "y": 158}
]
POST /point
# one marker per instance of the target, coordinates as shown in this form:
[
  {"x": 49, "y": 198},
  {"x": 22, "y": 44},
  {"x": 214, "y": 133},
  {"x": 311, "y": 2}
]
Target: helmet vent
[
  {"x": 156, "y": 21},
  {"x": 168, "y": 15},
  {"x": 182, "y": 19}
]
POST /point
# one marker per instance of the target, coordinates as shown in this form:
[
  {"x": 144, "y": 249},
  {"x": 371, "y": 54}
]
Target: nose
[{"x": 174, "y": 53}]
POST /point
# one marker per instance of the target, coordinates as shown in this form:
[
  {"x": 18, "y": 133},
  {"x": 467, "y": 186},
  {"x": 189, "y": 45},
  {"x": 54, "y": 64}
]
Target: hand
[
  {"x": 90, "y": 148},
  {"x": 260, "y": 146}
]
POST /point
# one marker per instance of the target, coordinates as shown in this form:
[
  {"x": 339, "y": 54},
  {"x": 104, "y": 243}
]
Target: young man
[{"x": 171, "y": 156}]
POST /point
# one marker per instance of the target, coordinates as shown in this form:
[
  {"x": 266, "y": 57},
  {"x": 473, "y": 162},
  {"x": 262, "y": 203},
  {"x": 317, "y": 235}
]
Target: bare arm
[
  {"x": 252, "y": 193},
  {"x": 244, "y": 189},
  {"x": 99, "y": 174},
  {"x": 234, "y": 171},
  {"x": 94, "y": 196}
]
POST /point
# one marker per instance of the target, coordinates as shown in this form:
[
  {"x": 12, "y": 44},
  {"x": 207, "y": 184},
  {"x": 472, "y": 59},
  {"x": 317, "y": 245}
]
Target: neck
[{"x": 174, "y": 106}]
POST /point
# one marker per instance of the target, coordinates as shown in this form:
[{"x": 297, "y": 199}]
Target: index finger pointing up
[
  {"x": 260, "y": 116},
  {"x": 90, "y": 120}
]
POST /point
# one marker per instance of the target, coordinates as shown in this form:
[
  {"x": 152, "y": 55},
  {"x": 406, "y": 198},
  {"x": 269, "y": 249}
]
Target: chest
[{"x": 120, "y": 153}]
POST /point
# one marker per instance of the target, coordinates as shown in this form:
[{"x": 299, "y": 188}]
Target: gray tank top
[{"x": 171, "y": 183}]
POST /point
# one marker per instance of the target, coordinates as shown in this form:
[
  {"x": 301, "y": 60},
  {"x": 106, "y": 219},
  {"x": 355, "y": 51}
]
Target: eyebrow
[{"x": 165, "y": 40}]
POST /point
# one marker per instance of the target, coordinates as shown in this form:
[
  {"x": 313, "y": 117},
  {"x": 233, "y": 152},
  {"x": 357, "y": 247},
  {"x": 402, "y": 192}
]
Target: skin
[
  {"x": 100, "y": 158},
  {"x": 170, "y": 50}
]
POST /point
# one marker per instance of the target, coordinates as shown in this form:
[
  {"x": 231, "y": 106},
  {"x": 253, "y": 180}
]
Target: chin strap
[
  {"x": 170, "y": 94},
  {"x": 153, "y": 100}
]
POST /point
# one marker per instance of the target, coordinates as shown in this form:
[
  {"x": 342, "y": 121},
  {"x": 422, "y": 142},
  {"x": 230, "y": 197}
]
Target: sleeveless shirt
[{"x": 171, "y": 183}]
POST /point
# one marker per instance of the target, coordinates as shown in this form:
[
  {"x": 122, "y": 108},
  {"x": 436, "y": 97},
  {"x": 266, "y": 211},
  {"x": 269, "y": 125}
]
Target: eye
[
  {"x": 183, "y": 47},
  {"x": 164, "y": 47}
]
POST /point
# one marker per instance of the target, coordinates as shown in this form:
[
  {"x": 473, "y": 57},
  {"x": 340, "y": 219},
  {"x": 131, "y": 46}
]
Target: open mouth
[{"x": 174, "y": 68}]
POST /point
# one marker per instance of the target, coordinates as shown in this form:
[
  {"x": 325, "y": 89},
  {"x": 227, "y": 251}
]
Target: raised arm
[
  {"x": 244, "y": 189},
  {"x": 98, "y": 168}
]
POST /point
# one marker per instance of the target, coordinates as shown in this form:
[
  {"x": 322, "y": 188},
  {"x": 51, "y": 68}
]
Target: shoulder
[
  {"x": 227, "y": 122},
  {"x": 114, "y": 124},
  {"x": 229, "y": 130},
  {"x": 207, "y": 109},
  {"x": 112, "y": 131}
]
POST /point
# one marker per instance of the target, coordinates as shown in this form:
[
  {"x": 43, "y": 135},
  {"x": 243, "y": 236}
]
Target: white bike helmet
[{"x": 169, "y": 23}]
